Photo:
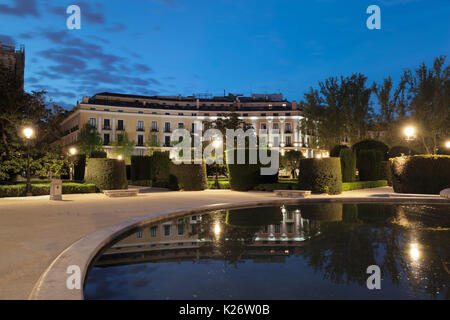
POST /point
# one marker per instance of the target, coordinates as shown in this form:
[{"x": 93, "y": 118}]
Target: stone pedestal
[{"x": 56, "y": 190}]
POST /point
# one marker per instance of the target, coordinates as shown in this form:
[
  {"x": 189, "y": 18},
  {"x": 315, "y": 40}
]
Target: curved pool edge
[{"x": 52, "y": 283}]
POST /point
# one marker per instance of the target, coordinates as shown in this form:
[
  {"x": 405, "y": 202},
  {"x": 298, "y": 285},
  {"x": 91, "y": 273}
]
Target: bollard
[{"x": 56, "y": 189}]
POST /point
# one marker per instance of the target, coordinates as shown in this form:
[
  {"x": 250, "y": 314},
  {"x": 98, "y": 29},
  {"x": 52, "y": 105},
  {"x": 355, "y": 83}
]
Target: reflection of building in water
[{"x": 178, "y": 239}]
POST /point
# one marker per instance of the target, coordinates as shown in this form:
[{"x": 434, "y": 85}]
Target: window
[
  {"x": 139, "y": 235},
  {"x": 153, "y": 231},
  {"x": 263, "y": 126},
  {"x": 290, "y": 227},
  {"x": 266, "y": 229},
  {"x": 106, "y": 124},
  {"x": 180, "y": 113},
  {"x": 194, "y": 114},
  {"x": 288, "y": 141},
  {"x": 141, "y": 112},
  {"x": 167, "y": 127},
  {"x": 140, "y": 139},
  {"x": 167, "y": 141},
  {"x": 275, "y": 126},
  {"x": 277, "y": 228},
  {"x": 180, "y": 228},
  {"x": 140, "y": 125},
  {"x": 92, "y": 122},
  {"x": 106, "y": 139},
  {"x": 154, "y": 126},
  {"x": 120, "y": 125},
  {"x": 167, "y": 230},
  {"x": 180, "y": 125},
  {"x": 194, "y": 228},
  {"x": 288, "y": 128}
]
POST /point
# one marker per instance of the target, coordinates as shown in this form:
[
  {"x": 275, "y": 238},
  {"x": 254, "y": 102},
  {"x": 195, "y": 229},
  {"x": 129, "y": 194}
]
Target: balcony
[
  {"x": 155, "y": 130},
  {"x": 167, "y": 131},
  {"x": 139, "y": 144},
  {"x": 106, "y": 128},
  {"x": 288, "y": 131},
  {"x": 140, "y": 129},
  {"x": 120, "y": 128}
]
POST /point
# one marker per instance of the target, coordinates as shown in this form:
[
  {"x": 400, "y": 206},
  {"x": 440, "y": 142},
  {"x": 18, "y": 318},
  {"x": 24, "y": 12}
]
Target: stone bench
[
  {"x": 121, "y": 193},
  {"x": 292, "y": 193},
  {"x": 445, "y": 193}
]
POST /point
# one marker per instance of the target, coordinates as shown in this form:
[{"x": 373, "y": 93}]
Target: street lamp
[
  {"x": 120, "y": 158},
  {"x": 28, "y": 132},
  {"x": 409, "y": 133},
  {"x": 72, "y": 152},
  {"x": 447, "y": 144}
]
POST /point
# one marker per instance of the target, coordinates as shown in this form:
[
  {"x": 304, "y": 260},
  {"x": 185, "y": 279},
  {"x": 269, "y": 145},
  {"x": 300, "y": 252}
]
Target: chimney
[
  {"x": 198, "y": 103},
  {"x": 294, "y": 105},
  {"x": 85, "y": 100}
]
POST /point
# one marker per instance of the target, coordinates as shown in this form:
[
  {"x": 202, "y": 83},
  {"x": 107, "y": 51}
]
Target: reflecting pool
[{"x": 319, "y": 251}]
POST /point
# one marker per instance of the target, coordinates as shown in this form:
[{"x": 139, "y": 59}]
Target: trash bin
[{"x": 56, "y": 189}]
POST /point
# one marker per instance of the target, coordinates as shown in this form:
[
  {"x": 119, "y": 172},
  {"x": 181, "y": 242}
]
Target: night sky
[{"x": 171, "y": 47}]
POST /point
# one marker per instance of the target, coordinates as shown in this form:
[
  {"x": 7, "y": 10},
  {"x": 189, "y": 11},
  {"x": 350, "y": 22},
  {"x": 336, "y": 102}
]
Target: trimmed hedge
[
  {"x": 99, "y": 154},
  {"x": 223, "y": 184},
  {"x": 249, "y": 218},
  {"x": 140, "y": 168},
  {"x": 421, "y": 174},
  {"x": 385, "y": 172},
  {"x": 244, "y": 177},
  {"x": 321, "y": 175},
  {"x": 79, "y": 166},
  {"x": 42, "y": 189},
  {"x": 348, "y": 165},
  {"x": 106, "y": 174},
  {"x": 160, "y": 169},
  {"x": 369, "y": 165},
  {"x": 190, "y": 177},
  {"x": 141, "y": 183},
  {"x": 370, "y": 144},
  {"x": 348, "y": 186},
  {"x": 336, "y": 151}
]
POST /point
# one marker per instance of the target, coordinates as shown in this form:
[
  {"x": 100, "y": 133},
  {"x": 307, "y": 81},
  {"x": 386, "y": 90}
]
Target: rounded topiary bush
[
  {"x": 244, "y": 177},
  {"x": 369, "y": 165},
  {"x": 385, "y": 172},
  {"x": 106, "y": 174},
  {"x": 160, "y": 169},
  {"x": 321, "y": 175},
  {"x": 336, "y": 151},
  {"x": 420, "y": 174},
  {"x": 348, "y": 165},
  {"x": 370, "y": 144},
  {"x": 322, "y": 212},
  {"x": 190, "y": 177}
]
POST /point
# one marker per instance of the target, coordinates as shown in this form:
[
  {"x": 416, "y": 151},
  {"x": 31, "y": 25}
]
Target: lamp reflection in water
[
  {"x": 414, "y": 252},
  {"x": 217, "y": 229}
]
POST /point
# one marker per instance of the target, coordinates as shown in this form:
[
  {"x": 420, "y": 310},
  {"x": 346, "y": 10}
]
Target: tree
[
  {"x": 123, "y": 146},
  {"x": 339, "y": 109},
  {"x": 89, "y": 140},
  {"x": 291, "y": 162},
  {"x": 49, "y": 164},
  {"x": 429, "y": 90}
]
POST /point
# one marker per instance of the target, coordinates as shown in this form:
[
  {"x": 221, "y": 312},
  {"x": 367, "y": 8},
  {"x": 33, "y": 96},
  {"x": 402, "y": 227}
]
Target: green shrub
[
  {"x": 348, "y": 186},
  {"x": 173, "y": 183},
  {"x": 42, "y": 189},
  {"x": 385, "y": 172},
  {"x": 244, "y": 177},
  {"x": 336, "y": 151},
  {"x": 190, "y": 177},
  {"x": 321, "y": 175},
  {"x": 370, "y": 144},
  {"x": 98, "y": 154},
  {"x": 140, "y": 168},
  {"x": 348, "y": 165},
  {"x": 369, "y": 165},
  {"x": 421, "y": 174},
  {"x": 223, "y": 184},
  {"x": 160, "y": 169},
  {"x": 79, "y": 166},
  {"x": 106, "y": 174}
]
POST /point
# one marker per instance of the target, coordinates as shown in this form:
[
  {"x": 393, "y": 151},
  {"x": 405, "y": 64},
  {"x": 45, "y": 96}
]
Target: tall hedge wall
[
  {"x": 106, "y": 174},
  {"x": 244, "y": 177},
  {"x": 140, "y": 168},
  {"x": 160, "y": 169},
  {"x": 420, "y": 174},
  {"x": 348, "y": 165},
  {"x": 336, "y": 151},
  {"x": 79, "y": 166},
  {"x": 321, "y": 175},
  {"x": 370, "y": 144},
  {"x": 190, "y": 177},
  {"x": 369, "y": 165}
]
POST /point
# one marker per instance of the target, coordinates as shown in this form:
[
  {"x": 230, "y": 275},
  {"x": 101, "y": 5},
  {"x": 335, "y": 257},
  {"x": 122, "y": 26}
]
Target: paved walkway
[{"x": 33, "y": 231}]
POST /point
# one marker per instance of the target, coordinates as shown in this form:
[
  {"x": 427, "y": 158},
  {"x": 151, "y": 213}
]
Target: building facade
[
  {"x": 13, "y": 59},
  {"x": 150, "y": 120}
]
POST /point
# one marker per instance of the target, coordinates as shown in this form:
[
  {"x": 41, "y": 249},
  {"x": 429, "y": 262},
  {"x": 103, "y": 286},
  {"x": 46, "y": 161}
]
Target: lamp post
[
  {"x": 72, "y": 152},
  {"x": 447, "y": 144},
  {"x": 28, "y": 132},
  {"x": 120, "y": 158},
  {"x": 409, "y": 133}
]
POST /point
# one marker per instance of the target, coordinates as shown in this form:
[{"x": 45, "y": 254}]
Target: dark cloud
[
  {"x": 116, "y": 27},
  {"x": 20, "y": 8},
  {"x": 142, "y": 68},
  {"x": 7, "y": 40}
]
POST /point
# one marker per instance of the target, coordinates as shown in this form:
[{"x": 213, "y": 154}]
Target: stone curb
[{"x": 52, "y": 283}]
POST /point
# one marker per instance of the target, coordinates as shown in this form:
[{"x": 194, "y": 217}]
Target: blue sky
[{"x": 169, "y": 47}]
